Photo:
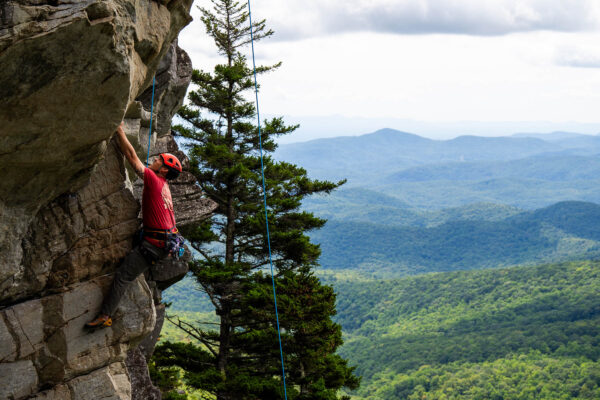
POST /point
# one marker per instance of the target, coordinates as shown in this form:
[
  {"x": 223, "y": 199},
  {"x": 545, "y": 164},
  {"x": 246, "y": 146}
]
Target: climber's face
[{"x": 158, "y": 167}]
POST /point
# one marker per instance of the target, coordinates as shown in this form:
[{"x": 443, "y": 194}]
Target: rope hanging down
[
  {"x": 262, "y": 168},
  {"x": 151, "y": 114}
]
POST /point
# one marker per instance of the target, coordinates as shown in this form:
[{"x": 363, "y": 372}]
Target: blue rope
[
  {"x": 151, "y": 114},
  {"x": 262, "y": 168}
]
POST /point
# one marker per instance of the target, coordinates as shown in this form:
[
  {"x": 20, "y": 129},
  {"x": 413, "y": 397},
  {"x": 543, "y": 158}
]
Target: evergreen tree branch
[{"x": 194, "y": 332}]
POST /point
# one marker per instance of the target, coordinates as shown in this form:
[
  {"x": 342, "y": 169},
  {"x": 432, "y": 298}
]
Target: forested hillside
[
  {"x": 516, "y": 333},
  {"x": 512, "y": 333},
  {"x": 550, "y": 168},
  {"x": 564, "y": 231},
  {"x": 364, "y": 205}
]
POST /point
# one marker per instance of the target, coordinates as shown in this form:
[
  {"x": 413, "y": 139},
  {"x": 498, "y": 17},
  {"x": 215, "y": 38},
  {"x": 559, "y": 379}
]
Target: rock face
[
  {"x": 46, "y": 345},
  {"x": 141, "y": 384},
  {"x": 70, "y": 72}
]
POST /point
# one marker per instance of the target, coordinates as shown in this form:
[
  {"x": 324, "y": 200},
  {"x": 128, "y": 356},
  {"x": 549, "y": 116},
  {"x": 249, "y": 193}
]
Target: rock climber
[{"x": 158, "y": 225}]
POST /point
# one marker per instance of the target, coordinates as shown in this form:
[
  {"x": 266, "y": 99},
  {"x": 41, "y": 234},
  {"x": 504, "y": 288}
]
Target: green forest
[
  {"x": 514, "y": 333},
  {"x": 564, "y": 231},
  {"x": 509, "y": 333}
]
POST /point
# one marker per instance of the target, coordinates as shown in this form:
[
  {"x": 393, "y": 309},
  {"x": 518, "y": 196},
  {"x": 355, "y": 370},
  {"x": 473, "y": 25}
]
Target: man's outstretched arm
[{"x": 129, "y": 152}]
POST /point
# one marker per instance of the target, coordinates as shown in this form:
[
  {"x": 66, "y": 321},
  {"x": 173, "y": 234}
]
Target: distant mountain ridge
[
  {"x": 557, "y": 168},
  {"x": 364, "y": 205},
  {"x": 520, "y": 171},
  {"x": 402, "y": 149},
  {"x": 359, "y": 157},
  {"x": 553, "y": 136}
]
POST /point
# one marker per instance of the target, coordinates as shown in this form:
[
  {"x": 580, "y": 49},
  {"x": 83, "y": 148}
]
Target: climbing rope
[
  {"x": 151, "y": 114},
  {"x": 262, "y": 168}
]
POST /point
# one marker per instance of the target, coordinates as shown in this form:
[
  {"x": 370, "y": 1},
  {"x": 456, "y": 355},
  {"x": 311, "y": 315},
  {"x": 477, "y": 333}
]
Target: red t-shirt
[{"x": 157, "y": 204}]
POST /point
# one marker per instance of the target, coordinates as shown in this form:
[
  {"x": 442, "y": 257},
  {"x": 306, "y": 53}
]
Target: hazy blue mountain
[
  {"x": 368, "y": 157},
  {"x": 471, "y": 212},
  {"x": 590, "y": 143},
  {"x": 552, "y": 136},
  {"x": 548, "y": 168},
  {"x": 356, "y": 158},
  {"x": 524, "y": 172},
  {"x": 474, "y": 148},
  {"x": 359, "y": 204},
  {"x": 516, "y": 192},
  {"x": 358, "y": 196}
]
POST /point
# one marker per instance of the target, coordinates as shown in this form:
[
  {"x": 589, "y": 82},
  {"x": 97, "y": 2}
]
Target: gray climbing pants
[{"x": 134, "y": 264}]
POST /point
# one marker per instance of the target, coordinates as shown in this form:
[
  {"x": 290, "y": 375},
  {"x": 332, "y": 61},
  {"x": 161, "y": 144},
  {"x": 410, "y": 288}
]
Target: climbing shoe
[{"x": 101, "y": 321}]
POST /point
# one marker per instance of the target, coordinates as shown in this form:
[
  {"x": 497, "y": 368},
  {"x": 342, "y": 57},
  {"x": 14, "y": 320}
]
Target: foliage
[
  {"x": 364, "y": 205},
  {"x": 513, "y": 332},
  {"x": 452, "y": 325},
  {"x": 564, "y": 231},
  {"x": 186, "y": 296},
  {"x": 530, "y": 376},
  {"x": 171, "y": 332}
]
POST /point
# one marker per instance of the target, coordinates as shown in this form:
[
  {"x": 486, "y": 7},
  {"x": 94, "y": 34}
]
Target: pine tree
[{"x": 241, "y": 359}]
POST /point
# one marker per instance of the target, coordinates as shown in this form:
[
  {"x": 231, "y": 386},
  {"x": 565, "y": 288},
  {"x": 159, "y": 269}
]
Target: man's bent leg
[{"x": 133, "y": 265}]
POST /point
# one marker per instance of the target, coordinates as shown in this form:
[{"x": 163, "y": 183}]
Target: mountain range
[
  {"x": 520, "y": 171},
  {"x": 388, "y": 151},
  {"x": 414, "y": 205}
]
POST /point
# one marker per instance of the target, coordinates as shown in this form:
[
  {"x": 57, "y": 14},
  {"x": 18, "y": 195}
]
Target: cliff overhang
[{"x": 71, "y": 71}]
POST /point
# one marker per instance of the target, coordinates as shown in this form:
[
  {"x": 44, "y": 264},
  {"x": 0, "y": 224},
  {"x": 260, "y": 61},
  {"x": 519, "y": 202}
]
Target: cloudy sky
[{"x": 439, "y": 68}]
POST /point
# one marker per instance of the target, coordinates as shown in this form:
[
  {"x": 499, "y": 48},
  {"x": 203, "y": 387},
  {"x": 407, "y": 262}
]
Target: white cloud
[
  {"x": 341, "y": 63},
  {"x": 578, "y": 56},
  {"x": 431, "y": 78},
  {"x": 295, "y": 19}
]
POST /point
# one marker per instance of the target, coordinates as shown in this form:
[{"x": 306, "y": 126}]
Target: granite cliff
[{"x": 70, "y": 71}]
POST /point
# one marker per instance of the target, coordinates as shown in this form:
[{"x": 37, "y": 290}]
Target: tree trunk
[
  {"x": 224, "y": 345},
  {"x": 230, "y": 233}
]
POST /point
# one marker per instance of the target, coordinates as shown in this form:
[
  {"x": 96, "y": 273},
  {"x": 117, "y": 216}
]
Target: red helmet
[{"x": 172, "y": 163}]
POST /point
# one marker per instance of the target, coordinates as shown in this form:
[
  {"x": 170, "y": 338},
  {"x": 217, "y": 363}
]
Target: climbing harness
[
  {"x": 262, "y": 168},
  {"x": 150, "y": 253}
]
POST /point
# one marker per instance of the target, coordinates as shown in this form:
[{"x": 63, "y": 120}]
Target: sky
[{"x": 438, "y": 68}]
